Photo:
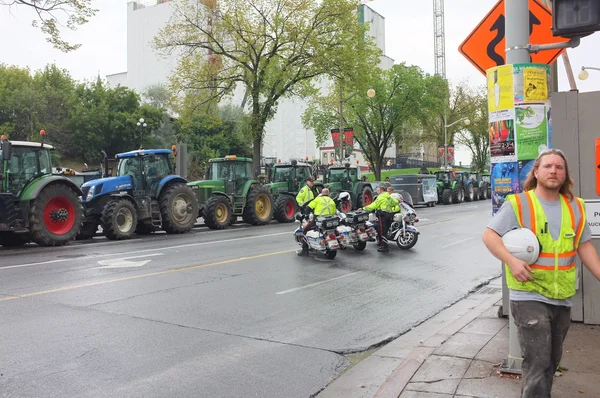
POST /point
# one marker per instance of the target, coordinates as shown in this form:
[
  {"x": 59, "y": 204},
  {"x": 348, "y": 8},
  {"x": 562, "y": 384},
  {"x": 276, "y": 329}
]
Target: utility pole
[{"x": 517, "y": 51}]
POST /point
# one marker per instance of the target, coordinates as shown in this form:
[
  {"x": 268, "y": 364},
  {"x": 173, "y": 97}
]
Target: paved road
[{"x": 221, "y": 313}]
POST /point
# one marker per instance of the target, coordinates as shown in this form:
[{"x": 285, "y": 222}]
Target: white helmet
[
  {"x": 523, "y": 244},
  {"x": 344, "y": 196},
  {"x": 397, "y": 196}
]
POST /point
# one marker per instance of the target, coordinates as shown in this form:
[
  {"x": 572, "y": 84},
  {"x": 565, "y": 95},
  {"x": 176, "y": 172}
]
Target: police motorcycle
[
  {"x": 322, "y": 237},
  {"x": 355, "y": 229},
  {"x": 403, "y": 229}
]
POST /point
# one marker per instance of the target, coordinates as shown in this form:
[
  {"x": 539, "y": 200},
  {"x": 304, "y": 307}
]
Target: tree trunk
[{"x": 256, "y": 154}]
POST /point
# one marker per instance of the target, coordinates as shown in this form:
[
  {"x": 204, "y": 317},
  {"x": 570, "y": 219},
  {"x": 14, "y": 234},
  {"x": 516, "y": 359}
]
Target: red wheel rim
[
  {"x": 289, "y": 209},
  {"x": 59, "y": 215},
  {"x": 367, "y": 198},
  {"x": 346, "y": 207}
]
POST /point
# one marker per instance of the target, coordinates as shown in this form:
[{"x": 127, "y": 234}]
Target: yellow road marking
[{"x": 67, "y": 288}]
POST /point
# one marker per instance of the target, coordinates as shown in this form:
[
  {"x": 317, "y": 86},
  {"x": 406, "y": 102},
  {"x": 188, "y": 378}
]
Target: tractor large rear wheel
[
  {"x": 218, "y": 212},
  {"x": 55, "y": 216},
  {"x": 365, "y": 197},
  {"x": 119, "y": 219},
  {"x": 285, "y": 208},
  {"x": 259, "y": 206},
  {"x": 178, "y": 209}
]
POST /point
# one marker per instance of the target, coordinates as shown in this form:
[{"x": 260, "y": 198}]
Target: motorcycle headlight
[{"x": 90, "y": 194}]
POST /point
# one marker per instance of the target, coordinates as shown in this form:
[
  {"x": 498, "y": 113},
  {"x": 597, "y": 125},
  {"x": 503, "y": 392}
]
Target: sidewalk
[{"x": 458, "y": 353}]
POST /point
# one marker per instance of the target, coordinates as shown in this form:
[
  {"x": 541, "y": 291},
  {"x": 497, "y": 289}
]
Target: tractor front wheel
[
  {"x": 285, "y": 208},
  {"x": 218, "y": 212},
  {"x": 119, "y": 219},
  {"x": 178, "y": 209},
  {"x": 259, "y": 206},
  {"x": 55, "y": 216}
]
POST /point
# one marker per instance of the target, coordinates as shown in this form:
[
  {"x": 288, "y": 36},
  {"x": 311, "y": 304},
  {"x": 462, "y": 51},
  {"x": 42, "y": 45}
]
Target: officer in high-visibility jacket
[
  {"x": 386, "y": 206},
  {"x": 307, "y": 193},
  {"x": 322, "y": 205}
]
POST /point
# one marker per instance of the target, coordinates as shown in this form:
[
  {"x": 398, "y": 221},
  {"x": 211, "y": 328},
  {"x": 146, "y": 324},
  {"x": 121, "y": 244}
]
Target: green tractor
[
  {"x": 35, "y": 205},
  {"x": 229, "y": 192},
  {"x": 450, "y": 187},
  {"x": 286, "y": 180},
  {"x": 346, "y": 178}
]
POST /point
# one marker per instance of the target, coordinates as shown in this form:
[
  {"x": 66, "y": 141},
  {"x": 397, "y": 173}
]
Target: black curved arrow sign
[{"x": 499, "y": 27}]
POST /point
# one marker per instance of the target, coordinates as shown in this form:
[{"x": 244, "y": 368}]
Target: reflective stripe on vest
[{"x": 554, "y": 270}]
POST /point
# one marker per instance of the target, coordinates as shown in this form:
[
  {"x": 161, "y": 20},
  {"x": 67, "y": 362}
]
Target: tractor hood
[
  {"x": 218, "y": 185},
  {"x": 101, "y": 186}
]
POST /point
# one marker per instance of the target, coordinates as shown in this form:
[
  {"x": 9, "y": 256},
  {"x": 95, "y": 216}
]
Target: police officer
[
  {"x": 385, "y": 206},
  {"x": 322, "y": 205},
  {"x": 307, "y": 193}
]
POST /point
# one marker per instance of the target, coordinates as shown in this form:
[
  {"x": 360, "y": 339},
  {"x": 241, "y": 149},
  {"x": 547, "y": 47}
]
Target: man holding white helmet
[{"x": 541, "y": 287}]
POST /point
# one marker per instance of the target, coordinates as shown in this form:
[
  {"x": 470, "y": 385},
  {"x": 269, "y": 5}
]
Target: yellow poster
[
  {"x": 500, "y": 88},
  {"x": 535, "y": 85}
]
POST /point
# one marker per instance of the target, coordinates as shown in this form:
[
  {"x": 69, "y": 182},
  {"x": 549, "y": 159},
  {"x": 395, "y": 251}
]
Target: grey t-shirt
[{"x": 505, "y": 220}]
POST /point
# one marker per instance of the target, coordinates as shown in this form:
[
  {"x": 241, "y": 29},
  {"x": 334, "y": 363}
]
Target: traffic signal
[{"x": 572, "y": 18}]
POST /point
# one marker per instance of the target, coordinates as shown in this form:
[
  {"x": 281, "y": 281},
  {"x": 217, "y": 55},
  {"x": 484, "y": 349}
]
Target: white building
[{"x": 285, "y": 136}]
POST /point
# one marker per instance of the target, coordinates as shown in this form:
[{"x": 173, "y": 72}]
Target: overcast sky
[{"x": 409, "y": 38}]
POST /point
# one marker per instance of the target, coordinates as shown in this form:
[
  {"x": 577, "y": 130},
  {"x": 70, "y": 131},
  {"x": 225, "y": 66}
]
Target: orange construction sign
[{"x": 485, "y": 47}]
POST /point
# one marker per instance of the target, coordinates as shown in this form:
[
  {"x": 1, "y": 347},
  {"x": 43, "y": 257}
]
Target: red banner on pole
[{"x": 348, "y": 141}]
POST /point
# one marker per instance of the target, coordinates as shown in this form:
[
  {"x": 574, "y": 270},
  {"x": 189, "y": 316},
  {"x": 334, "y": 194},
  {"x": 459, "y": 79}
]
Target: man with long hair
[{"x": 540, "y": 293}]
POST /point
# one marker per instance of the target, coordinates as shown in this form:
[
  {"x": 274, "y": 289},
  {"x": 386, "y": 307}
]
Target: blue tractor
[{"x": 143, "y": 197}]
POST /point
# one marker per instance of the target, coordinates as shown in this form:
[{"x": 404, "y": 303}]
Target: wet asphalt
[{"x": 221, "y": 313}]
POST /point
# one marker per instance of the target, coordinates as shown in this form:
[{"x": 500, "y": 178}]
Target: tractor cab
[
  {"x": 23, "y": 162},
  {"x": 293, "y": 174},
  {"x": 231, "y": 173},
  {"x": 347, "y": 178},
  {"x": 146, "y": 169},
  {"x": 346, "y": 175}
]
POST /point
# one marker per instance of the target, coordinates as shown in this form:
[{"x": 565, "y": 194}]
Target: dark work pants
[
  {"x": 385, "y": 221},
  {"x": 541, "y": 329},
  {"x": 309, "y": 225}
]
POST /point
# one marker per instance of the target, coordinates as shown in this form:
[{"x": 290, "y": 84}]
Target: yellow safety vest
[
  {"x": 304, "y": 195},
  {"x": 554, "y": 271},
  {"x": 323, "y": 206},
  {"x": 384, "y": 202}
]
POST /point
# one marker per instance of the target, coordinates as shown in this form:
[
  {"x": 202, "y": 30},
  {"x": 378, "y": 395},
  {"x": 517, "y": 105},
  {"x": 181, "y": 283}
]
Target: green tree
[
  {"x": 57, "y": 91},
  {"x": 459, "y": 104},
  {"x": 105, "y": 119},
  {"x": 51, "y": 15},
  {"x": 475, "y": 137},
  {"x": 19, "y": 103},
  {"x": 272, "y": 49},
  {"x": 403, "y": 96},
  {"x": 210, "y": 136}
]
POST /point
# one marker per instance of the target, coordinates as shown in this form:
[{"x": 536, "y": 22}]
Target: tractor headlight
[{"x": 90, "y": 193}]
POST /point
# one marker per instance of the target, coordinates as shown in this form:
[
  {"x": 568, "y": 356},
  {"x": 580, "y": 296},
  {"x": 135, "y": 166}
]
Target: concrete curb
[
  {"x": 397, "y": 381},
  {"x": 387, "y": 371}
]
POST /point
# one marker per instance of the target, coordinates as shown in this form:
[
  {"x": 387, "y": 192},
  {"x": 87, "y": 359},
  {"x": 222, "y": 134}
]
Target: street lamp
[
  {"x": 584, "y": 74},
  {"x": 370, "y": 93},
  {"x": 466, "y": 121},
  {"x": 141, "y": 126}
]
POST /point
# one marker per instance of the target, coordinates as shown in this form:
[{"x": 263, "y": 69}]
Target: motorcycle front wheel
[{"x": 406, "y": 240}]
